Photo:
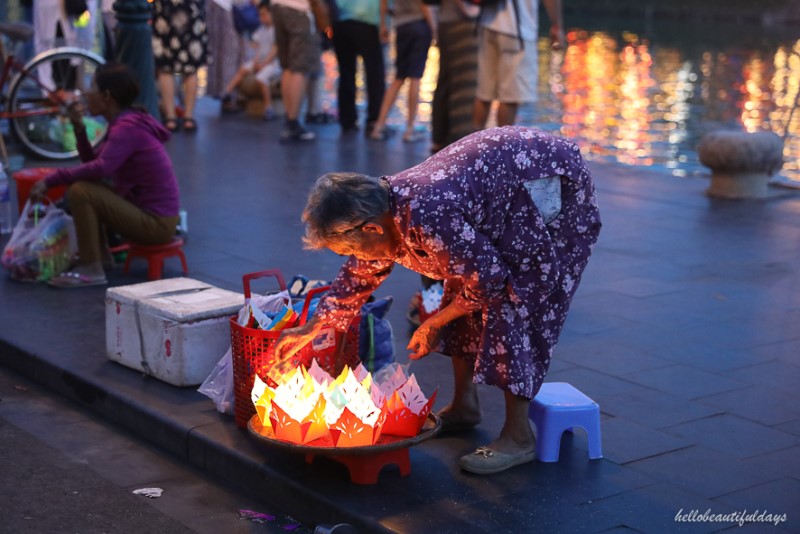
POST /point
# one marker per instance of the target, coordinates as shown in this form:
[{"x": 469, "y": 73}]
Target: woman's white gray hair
[{"x": 340, "y": 202}]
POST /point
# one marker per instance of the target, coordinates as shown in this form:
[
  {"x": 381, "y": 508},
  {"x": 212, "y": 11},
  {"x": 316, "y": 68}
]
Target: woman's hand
[
  {"x": 424, "y": 340},
  {"x": 292, "y": 340},
  {"x": 75, "y": 112},
  {"x": 38, "y": 191}
]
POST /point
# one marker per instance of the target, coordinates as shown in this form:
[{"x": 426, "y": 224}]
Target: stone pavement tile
[
  {"x": 595, "y": 385},
  {"x": 584, "y": 320},
  {"x": 786, "y": 351},
  {"x": 709, "y": 358},
  {"x": 778, "y": 374},
  {"x": 703, "y": 471},
  {"x": 614, "y": 305},
  {"x": 625, "y": 441},
  {"x": 654, "y": 409},
  {"x": 777, "y": 497},
  {"x": 733, "y": 435},
  {"x": 638, "y": 286},
  {"x": 683, "y": 381},
  {"x": 738, "y": 333},
  {"x": 700, "y": 301},
  {"x": 785, "y": 462},
  {"x": 654, "y": 509},
  {"x": 757, "y": 403},
  {"x": 610, "y": 356},
  {"x": 792, "y": 427}
]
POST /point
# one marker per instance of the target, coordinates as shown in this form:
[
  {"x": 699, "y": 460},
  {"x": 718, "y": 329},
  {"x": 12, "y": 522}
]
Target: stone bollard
[{"x": 740, "y": 162}]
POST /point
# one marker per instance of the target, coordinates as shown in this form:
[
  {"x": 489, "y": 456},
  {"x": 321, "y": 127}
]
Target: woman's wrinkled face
[{"x": 369, "y": 243}]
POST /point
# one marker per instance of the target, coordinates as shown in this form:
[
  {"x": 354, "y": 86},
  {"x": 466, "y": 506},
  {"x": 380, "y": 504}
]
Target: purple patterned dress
[{"x": 467, "y": 216}]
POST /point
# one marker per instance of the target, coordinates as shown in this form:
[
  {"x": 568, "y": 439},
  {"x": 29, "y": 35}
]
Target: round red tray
[{"x": 325, "y": 447}]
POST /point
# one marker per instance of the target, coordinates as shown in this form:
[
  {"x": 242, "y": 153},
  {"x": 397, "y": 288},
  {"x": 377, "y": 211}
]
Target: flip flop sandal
[
  {"x": 189, "y": 125},
  {"x": 486, "y": 461},
  {"x": 71, "y": 279}
]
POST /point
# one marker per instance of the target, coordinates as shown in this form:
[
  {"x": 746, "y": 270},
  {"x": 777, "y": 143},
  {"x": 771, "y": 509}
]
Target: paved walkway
[{"x": 685, "y": 330}]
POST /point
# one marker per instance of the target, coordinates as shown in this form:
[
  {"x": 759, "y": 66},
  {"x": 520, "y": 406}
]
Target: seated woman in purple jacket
[
  {"x": 142, "y": 202},
  {"x": 507, "y": 217}
]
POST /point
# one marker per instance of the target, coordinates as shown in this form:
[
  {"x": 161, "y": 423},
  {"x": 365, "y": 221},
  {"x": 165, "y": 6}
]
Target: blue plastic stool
[{"x": 558, "y": 407}]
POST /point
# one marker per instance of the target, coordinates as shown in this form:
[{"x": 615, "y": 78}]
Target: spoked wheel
[{"x": 39, "y": 97}]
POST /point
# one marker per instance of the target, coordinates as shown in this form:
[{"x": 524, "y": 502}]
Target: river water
[{"x": 645, "y": 96}]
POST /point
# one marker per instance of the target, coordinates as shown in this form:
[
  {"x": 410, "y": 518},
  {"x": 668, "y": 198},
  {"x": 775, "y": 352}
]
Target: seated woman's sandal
[{"x": 69, "y": 279}]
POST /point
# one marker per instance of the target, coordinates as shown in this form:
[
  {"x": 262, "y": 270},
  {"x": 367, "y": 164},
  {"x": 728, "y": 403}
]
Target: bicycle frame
[{"x": 11, "y": 64}]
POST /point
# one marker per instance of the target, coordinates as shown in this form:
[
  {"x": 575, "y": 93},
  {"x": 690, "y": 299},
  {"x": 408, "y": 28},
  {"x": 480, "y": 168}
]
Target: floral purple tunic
[{"x": 467, "y": 216}]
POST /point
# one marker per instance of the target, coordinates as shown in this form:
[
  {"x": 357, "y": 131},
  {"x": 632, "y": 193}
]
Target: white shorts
[
  {"x": 267, "y": 74},
  {"x": 506, "y": 71}
]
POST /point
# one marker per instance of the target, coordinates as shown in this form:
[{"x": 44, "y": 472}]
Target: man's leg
[
  {"x": 480, "y": 113},
  {"x": 346, "y": 92},
  {"x": 293, "y": 89},
  {"x": 507, "y": 113}
]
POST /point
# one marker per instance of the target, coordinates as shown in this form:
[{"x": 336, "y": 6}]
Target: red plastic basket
[{"x": 252, "y": 350}]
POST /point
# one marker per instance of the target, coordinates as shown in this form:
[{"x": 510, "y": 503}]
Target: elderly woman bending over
[{"x": 507, "y": 217}]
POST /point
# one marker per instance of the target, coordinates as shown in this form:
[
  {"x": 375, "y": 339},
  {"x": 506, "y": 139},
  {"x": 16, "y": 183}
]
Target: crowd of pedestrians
[{"x": 487, "y": 53}]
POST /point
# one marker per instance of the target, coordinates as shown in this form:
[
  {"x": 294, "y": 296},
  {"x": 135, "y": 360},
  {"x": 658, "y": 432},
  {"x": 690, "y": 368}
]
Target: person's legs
[
  {"x": 166, "y": 86},
  {"x": 293, "y": 88},
  {"x": 386, "y": 106},
  {"x": 516, "y": 435},
  {"x": 413, "y": 103},
  {"x": 241, "y": 73},
  {"x": 488, "y": 75},
  {"x": 93, "y": 205},
  {"x": 372, "y": 56},
  {"x": 189, "y": 94},
  {"x": 464, "y": 410},
  {"x": 266, "y": 95},
  {"x": 480, "y": 113},
  {"x": 347, "y": 60},
  {"x": 507, "y": 113}
]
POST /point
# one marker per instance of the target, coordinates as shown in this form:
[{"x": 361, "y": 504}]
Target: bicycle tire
[{"x": 46, "y": 131}]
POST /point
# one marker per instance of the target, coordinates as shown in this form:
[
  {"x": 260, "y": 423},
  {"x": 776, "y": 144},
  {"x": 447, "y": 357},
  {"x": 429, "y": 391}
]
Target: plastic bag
[
  {"x": 42, "y": 244},
  {"x": 219, "y": 384}
]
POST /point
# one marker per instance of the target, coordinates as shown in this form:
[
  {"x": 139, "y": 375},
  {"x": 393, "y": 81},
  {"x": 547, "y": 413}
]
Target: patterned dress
[
  {"x": 180, "y": 40},
  {"x": 466, "y": 216}
]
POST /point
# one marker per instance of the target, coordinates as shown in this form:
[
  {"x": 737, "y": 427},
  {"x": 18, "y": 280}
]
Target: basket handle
[
  {"x": 307, "y": 303},
  {"x": 246, "y": 279}
]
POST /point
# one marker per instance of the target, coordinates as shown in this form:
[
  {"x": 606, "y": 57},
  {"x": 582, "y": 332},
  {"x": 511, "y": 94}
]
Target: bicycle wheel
[{"x": 38, "y": 100}]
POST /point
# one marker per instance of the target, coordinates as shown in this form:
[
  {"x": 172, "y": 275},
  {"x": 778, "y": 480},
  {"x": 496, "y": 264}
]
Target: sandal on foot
[
  {"x": 72, "y": 279},
  {"x": 171, "y": 125},
  {"x": 189, "y": 125},
  {"x": 486, "y": 461}
]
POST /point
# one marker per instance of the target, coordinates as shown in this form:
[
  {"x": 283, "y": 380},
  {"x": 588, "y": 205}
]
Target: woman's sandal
[
  {"x": 70, "y": 279},
  {"x": 171, "y": 125},
  {"x": 189, "y": 125}
]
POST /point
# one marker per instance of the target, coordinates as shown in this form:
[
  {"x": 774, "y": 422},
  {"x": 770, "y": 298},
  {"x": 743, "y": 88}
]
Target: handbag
[
  {"x": 42, "y": 243},
  {"x": 245, "y": 18},
  {"x": 75, "y": 8}
]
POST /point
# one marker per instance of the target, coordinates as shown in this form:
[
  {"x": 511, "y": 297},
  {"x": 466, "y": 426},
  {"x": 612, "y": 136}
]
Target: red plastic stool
[
  {"x": 155, "y": 255},
  {"x": 25, "y": 179}
]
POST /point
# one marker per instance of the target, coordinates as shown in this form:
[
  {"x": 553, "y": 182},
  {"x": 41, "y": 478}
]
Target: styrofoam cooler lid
[{"x": 179, "y": 299}]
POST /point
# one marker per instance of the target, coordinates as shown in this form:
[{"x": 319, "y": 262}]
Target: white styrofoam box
[{"x": 174, "y": 329}]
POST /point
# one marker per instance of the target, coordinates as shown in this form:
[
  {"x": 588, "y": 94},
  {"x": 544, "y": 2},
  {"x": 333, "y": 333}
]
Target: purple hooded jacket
[{"x": 134, "y": 157}]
